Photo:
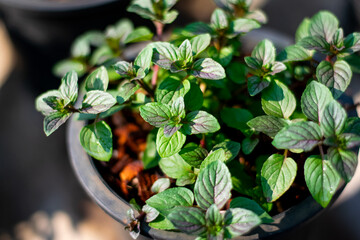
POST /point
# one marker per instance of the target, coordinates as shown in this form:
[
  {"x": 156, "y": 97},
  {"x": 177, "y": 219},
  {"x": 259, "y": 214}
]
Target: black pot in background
[{"x": 42, "y": 30}]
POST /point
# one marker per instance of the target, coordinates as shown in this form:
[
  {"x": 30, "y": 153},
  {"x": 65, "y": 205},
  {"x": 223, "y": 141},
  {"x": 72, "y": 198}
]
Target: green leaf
[
  {"x": 124, "y": 69},
  {"x": 338, "y": 39},
  {"x": 265, "y": 52},
  {"x": 189, "y": 220},
  {"x": 243, "y": 25},
  {"x": 97, "y": 80},
  {"x": 166, "y": 201},
  {"x": 333, "y": 120},
  {"x": 294, "y": 53},
  {"x": 352, "y": 42},
  {"x": 101, "y": 55},
  {"x": 168, "y": 146},
  {"x": 178, "y": 108},
  {"x": 344, "y": 161},
  {"x": 111, "y": 111},
  {"x": 314, "y": 99},
  {"x": 194, "y": 97},
  {"x": 185, "y": 51},
  {"x": 217, "y": 155},
  {"x": 256, "y": 84},
  {"x": 277, "y": 175},
  {"x": 321, "y": 179},
  {"x": 219, "y": 19},
  {"x": 213, "y": 185},
  {"x": 253, "y": 63},
  {"x": 317, "y": 43},
  {"x": 239, "y": 221},
  {"x": 251, "y": 205},
  {"x": 223, "y": 57},
  {"x": 324, "y": 24},
  {"x": 236, "y": 72},
  {"x": 42, "y": 106},
  {"x": 277, "y": 67},
  {"x": 143, "y": 60},
  {"x": 161, "y": 222},
  {"x": 170, "y": 16},
  {"x": 54, "y": 120},
  {"x": 139, "y": 35},
  {"x": 125, "y": 91},
  {"x": 174, "y": 166},
  {"x": 67, "y": 65},
  {"x": 231, "y": 149},
  {"x": 157, "y": 114},
  {"x": 151, "y": 157},
  {"x": 97, "y": 141},
  {"x": 170, "y": 89},
  {"x": 258, "y": 16},
  {"x": 160, "y": 185},
  {"x": 200, "y": 122},
  {"x": 164, "y": 54},
  {"x": 199, "y": 43},
  {"x": 193, "y": 155},
  {"x": 143, "y": 8},
  {"x": 349, "y": 140},
  {"x": 197, "y": 28},
  {"x": 151, "y": 213},
  {"x": 299, "y": 135},
  {"x": 214, "y": 220},
  {"x": 96, "y": 101},
  {"x": 269, "y": 125},
  {"x": 207, "y": 68},
  {"x": 336, "y": 77},
  {"x": 236, "y": 118},
  {"x": 120, "y": 30},
  {"x": 249, "y": 144},
  {"x": 353, "y": 125},
  {"x": 277, "y": 100},
  {"x": 303, "y": 30}
]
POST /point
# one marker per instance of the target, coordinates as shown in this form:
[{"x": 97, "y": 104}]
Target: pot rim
[
  {"x": 116, "y": 207},
  {"x": 53, "y": 6}
]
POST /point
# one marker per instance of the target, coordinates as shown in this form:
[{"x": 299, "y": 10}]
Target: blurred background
[{"x": 40, "y": 197}]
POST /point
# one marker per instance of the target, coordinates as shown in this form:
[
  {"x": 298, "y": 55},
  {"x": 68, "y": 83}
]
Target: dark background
[{"x": 40, "y": 197}]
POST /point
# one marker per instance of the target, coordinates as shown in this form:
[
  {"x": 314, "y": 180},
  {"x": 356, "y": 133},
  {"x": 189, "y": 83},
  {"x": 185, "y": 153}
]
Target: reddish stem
[{"x": 159, "y": 32}]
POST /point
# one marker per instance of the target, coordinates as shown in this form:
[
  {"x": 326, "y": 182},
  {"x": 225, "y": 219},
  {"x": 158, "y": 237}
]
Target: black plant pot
[
  {"x": 42, "y": 30},
  {"x": 117, "y": 207}
]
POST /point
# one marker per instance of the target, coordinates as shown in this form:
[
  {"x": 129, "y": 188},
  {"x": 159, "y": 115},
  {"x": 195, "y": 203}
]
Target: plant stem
[
  {"x": 321, "y": 152},
  {"x": 286, "y": 153},
  {"x": 146, "y": 87},
  {"x": 159, "y": 32}
]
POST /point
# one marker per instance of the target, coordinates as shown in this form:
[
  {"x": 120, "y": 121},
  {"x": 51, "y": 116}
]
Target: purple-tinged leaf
[
  {"x": 336, "y": 77},
  {"x": 200, "y": 122},
  {"x": 213, "y": 185},
  {"x": 321, "y": 179},
  {"x": 207, "y": 68},
  {"x": 299, "y": 135},
  {"x": 155, "y": 113},
  {"x": 314, "y": 100},
  {"x": 333, "y": 120},
  {"x": 190, "y": 220},
  {"x": 239, "y": 221},
  {"x": 277, "y": 175},
  {"x": 344, "y": 161}
]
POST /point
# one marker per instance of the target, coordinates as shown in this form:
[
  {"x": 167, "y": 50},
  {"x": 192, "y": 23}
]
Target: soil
[{"x": 125, "y": 172}]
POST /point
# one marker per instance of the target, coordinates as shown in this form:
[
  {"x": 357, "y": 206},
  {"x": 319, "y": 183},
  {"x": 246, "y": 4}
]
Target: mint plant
[{"x": 229, "y": 130}]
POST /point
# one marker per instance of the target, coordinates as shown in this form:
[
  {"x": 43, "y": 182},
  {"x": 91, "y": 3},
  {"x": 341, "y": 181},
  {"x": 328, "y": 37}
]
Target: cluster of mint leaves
[{"x": 187, "y": 87}]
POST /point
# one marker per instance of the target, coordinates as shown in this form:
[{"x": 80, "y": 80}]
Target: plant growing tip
[{"x": 224, "y": 122}]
